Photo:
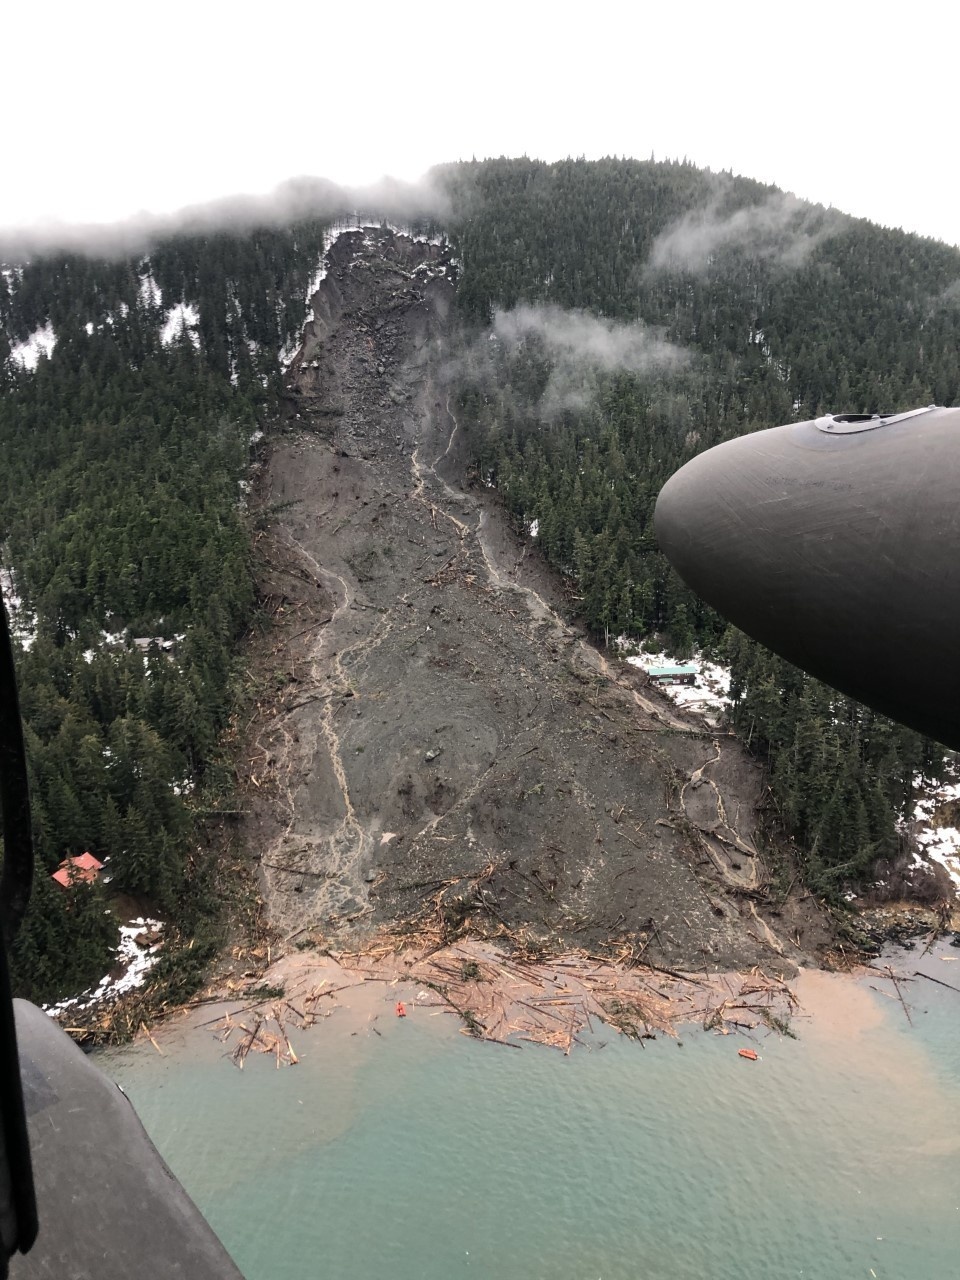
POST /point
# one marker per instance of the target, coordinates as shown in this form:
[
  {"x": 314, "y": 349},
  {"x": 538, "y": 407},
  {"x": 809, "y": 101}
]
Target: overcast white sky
[{"x": 112, "y": 108}]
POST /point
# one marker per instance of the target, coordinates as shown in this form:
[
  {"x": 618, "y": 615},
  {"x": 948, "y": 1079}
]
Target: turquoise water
[{"x": 420, "y": 1153}]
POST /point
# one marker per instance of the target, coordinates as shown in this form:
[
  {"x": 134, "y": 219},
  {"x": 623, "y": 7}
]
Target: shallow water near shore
[{"x": 421, "y": 1153}]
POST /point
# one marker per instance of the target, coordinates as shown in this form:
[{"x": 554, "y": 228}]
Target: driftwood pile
[
  {"x": 116, "y": 1022},
  {"x": 259, "y": 1037},
  {"x": 510, "y": 999},
  {"x": 507, "y": 1000},
  {"x": 267, "y": 1031}
]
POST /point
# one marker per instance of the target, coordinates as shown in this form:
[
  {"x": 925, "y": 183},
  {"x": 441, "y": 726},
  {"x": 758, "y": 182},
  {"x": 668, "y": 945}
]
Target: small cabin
[
  {"x": 84, "y": 869},
  {"x": 677, "y": 674}
]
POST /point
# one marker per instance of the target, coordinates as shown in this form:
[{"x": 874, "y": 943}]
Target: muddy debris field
[{"x": 437, "y": 752}]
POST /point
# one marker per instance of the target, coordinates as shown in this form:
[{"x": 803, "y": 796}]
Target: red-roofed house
[{"x": 76, "y": 870}]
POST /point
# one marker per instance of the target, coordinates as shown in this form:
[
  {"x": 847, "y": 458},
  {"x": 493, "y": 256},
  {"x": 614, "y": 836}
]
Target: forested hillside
[
  {"x": 120, "y": 518},
  {"x": 132, "y": 390}
]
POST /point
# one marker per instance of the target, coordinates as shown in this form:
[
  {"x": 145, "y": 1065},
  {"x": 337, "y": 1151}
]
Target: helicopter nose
[
  {"x": 721, "y": 521},
  {"x": 840, "y": 552}
]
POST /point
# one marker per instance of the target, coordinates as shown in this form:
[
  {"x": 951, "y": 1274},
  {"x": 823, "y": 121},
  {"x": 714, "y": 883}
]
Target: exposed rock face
[{"x": 441, "y": 729}]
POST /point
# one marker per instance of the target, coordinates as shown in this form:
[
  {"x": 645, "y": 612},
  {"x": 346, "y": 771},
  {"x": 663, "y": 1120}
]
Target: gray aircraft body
[{"x": 836, "y": 543}]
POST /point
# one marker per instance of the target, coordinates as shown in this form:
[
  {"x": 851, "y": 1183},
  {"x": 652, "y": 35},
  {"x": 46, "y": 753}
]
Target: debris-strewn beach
[{"x": 506, "y": 999}]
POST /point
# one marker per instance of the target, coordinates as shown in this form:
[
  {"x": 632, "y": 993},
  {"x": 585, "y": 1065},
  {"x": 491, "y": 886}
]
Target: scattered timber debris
[{"x": 511, "y": 999}]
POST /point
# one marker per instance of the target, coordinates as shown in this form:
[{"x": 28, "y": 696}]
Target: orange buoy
[
  {"x": 748, "y": 1053},
  {"x": 402, "y": 1011}
]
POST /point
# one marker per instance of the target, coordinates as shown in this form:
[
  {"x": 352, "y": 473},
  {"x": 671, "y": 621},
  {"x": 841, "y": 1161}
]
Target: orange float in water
[
  {"x": 402, "y": 1011},
  {"x": 748, "y": 1053}
]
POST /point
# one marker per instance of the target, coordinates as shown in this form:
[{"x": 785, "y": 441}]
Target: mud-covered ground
[{"x": 434, "y": 742}]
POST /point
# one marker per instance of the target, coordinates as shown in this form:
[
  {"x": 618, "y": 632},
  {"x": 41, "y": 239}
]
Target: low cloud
[
  {"x": 780, "y": 228},
  {"x": 580, "y": 338},
  {"x": 292, "y": 201},
  {"x": 575, "y": 349},
  {"x": 950, "y": 297}
]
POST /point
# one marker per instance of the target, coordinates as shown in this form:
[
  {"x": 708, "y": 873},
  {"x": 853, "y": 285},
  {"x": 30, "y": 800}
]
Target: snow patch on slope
[
  {"x": 938, "y": 841},
  {"x": 137, "y": 952},
  {"x": 40, "y": 343},
  {"x": 182, "y": 318},
  {"x": 151, "y": 295},
  {"x": 109, "y": 321},
  {"x": 23, "y": 623}
]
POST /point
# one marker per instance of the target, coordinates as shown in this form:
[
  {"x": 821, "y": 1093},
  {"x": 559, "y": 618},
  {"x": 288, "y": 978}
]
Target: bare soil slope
[{"x": 434, "y": 740}]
